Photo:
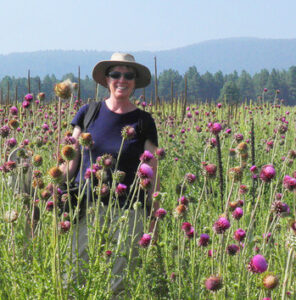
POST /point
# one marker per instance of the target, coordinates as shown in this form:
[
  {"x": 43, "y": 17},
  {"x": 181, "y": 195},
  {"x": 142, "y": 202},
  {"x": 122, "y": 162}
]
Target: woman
[{"x": 121, "y": 75}]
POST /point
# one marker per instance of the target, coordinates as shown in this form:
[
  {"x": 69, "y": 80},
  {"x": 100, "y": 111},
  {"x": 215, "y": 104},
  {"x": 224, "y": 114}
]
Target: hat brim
[{"x": 143, "y": 74}]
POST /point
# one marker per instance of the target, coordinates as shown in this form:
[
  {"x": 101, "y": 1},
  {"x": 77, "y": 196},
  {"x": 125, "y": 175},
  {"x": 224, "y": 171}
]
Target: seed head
[
  {"x": 37, "y": 160},
  {"x": 56, "y": 174},
  {"x": 64, "y": 89},
  {"x": 270, "y": 281},
  {"x": 11, "y": 216},
  {"x": 68, "y": 152},
  {"x": 235, "y": 173},
  {"x": 85, "y": 139}
]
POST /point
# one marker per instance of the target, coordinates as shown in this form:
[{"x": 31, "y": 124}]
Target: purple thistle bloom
[
  {"x": 11, "y": 142},
  {"x": 145, "y": 171},
  {"x": 120, "y": 189},
  {"x": 29, "y": 97},
  {"x": 232, "y": 249},
  {"x": 190, "y": 178},
  {"x": 160, "y": 213},
  {"x": 190, "y": 232},
  {"x": 186, "y": 226},
  {"x": 14, "y": 110},
  {"x": 204, "y": 240},
  {"x": 221, "y": 225},
  {"x": 88, "y": 173},
  {"x": 237, "y": 213},
  {"x": 4, "y": 131},
  {"x": 213, "y": 283},
  {"x": 267, "y": 173},
  {"x": 146, "y": 156},
  {"x": 215, "y": 128},
  {"x": 145, "y": 240},
  {"x": 289, "y": 183},
  {"x": 253, "y": 169},
  {"x": 183, "y": 200},
  {"x": 25, "y": 104},
  {"x": 258, "y": 264},
  {"x": 239, "y": 235}
]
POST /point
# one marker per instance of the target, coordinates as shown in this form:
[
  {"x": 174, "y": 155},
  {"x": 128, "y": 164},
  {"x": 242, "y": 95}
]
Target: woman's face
[{"x": 121, "y": 88}]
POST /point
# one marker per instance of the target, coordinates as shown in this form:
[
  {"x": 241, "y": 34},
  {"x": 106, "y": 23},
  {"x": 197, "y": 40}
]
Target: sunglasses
[{"x": 117, "y": 75}]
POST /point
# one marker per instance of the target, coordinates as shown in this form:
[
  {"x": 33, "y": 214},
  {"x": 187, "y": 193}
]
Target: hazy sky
[{"x": 131, "y": 25}]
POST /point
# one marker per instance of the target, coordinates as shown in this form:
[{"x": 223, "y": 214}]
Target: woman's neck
[{"x": 120, "y": 106}]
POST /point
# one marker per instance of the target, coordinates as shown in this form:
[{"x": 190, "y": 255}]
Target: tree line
[{"x": 231, "y": 87}]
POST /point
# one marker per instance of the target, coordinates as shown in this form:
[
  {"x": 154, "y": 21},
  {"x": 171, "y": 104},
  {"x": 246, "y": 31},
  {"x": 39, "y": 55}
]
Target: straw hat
[{"x": 118, "y": 59}]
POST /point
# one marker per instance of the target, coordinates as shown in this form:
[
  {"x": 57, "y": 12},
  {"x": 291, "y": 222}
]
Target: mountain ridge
[{"x": 226, "y": 55}]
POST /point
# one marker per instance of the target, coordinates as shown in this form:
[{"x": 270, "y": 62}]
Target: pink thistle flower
[
  {"x": 120, "y": 189},
  {"x": 145, "y": 240},
  {"x": 221, "y": 225},
  {"x": 232, "y": 249},
  {"x": 238, "y": 137},
  {"x": 213, "y": 142},
  {"x": 160, "y": 213},
  {"x": 253, "y": 169},
  {"x": 49, "y": 205},
  {"x": 198, "y": 129},
  {"x": 289, "y": 183},
  {"x": 14, "y": 110},
  {"x": 89, "y": 172},
  {"x": 210, "y": 170},
  {"x": 237, "y": 213},
  {"x": 26, "y": 104},
  {"x": 219, "y": 105},
  {"x": 183, "y": 200},
  {"x": 11, "y": 142},
  {"x": 239, "y": 235},
  {"x": 214, "y": 283},
  {"x": 267, "y": 173},
  {"x": 190, "y": 232},
  {"x": 64, "y": 226},
  {"x": 243, "y": 189},
  {"x": 204, "y": 240},
  {"x": 265, "y": 90},
  {"x": 258, "y": 264},
  {"x": 108, "y": 253},
  {"x": 186, "y": 226},
  {"x": 215, "y": 128},
  {"x": 145, "y": 171},
  {"x": 146, "y": 156},
  {"x": 29, "y": 97},
  {"x": 190, "y": 178},
  {"x": 160, "y": 153}
]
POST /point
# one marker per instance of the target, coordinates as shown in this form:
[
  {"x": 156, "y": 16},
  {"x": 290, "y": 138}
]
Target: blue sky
[{"x": 132, "y": 25}]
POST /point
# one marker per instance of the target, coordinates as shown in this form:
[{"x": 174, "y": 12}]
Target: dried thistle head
[{"x": 64, "y": 89}]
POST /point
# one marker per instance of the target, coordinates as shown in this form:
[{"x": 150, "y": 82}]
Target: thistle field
[{"x": 227, "y": 192}]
